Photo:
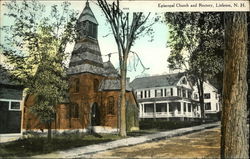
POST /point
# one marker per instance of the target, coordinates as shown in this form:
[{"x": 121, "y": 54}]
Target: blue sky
[{"x": 153, "y": 54}]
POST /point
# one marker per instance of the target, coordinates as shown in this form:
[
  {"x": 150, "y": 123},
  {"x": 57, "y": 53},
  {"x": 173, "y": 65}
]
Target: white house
[
  {"x": 211, "y": 100},
  {"x": 165, "y": 96}
]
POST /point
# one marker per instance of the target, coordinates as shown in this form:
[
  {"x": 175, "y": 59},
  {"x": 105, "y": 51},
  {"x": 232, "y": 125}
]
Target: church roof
[
  {"x": 112, "y": 84},
  {"x": 110, "y": 69},
  {"x": 156, "y": 81},
  {"x": 86, "y": 55},
  {"x": 87, "y": 14}
]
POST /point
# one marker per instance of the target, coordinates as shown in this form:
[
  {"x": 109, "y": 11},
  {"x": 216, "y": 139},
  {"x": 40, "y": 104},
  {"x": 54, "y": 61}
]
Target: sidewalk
[{"x": 87, "y": 150}]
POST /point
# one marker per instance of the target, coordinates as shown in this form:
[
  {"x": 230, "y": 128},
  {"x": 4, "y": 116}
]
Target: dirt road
[{"x": 196, "y": 145}]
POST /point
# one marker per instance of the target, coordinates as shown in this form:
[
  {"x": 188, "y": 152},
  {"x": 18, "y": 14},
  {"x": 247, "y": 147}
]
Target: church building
[{"x": 94, "y": 88}]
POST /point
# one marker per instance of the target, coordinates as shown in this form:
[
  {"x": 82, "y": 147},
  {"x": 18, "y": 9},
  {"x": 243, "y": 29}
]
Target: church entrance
[{"x": 95, "y": 115}]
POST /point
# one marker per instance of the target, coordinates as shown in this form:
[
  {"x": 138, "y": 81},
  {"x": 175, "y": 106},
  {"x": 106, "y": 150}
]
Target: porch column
[
  {"x": 182, "y": 109},
  {"x": 140, "y": 112},
  {"x": 167, "y": 105},
  {"x": 154, "y": 110},
  {"x": 142, "y": 105},
  {"x": 192, "y": 112}
]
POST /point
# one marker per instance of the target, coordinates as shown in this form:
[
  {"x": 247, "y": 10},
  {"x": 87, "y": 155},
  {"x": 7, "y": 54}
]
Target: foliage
[
  {"x": 35, "y": 47},
  {"x": 196, "y": 40},
  {"x": 166, "y": 125},
  {"x": 38, "y": 144}
]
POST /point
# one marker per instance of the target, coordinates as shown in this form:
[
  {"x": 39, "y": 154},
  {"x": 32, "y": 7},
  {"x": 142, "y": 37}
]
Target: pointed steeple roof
[
  {"x": 87, "y": 15},
  {"x": 86, "y": 56}
]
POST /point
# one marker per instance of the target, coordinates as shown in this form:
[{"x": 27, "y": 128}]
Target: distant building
[
  {"x": 171, "y": 96},
  {"x": 166, "y": 96},
  {"x": 212, "y": 103},
  {"x": 94, "y": 93},
  {"x": 11, "y": 107}
]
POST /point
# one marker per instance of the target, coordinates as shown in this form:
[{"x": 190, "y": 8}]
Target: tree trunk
[
  {"x": 201, "y": 98},
  {"x": 123, "y": 101},
  {"x": 234, "y": 142},
  {"x": 49, "y": 131}
]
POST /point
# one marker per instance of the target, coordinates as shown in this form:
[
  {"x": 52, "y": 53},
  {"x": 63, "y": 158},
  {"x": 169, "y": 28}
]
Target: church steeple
[
  {"x": 86, "y": 56},
  {"x": 87, "y": 24}
]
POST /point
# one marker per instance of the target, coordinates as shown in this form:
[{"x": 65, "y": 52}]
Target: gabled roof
[
  {"x": 110, "y": 69},
  {"x": 156, "y": 81},
  {"x": 112, "y": 84},
  {"x": 87, "y": 15}
]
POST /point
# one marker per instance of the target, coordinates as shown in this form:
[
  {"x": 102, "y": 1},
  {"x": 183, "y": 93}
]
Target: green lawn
[{"x": 38, "y": 145}]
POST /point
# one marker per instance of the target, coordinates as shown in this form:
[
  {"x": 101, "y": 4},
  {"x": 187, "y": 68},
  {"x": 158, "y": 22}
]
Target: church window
[
  {"x": 111, "y": 105},
  {"x": 183, "y": 93},
  {"x": 75, "y": 110},
  {"x": 76, "y": 85}
]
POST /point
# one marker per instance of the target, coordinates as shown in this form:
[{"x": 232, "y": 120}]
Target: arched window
[
  {"x": 75, "y": 110},
  {"x": 76, "y": 85},
  {"x": 111, "y": 105},
  {"x": 96, "y": 85}
]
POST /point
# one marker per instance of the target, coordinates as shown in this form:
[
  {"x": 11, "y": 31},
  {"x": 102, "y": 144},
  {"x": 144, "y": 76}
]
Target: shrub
[{"x": 166, "y": 125}]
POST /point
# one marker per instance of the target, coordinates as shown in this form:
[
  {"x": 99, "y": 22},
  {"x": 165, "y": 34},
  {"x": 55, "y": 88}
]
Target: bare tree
[
  {"x": 126, "y": 28},
  {"x": 234, "y": 142}
]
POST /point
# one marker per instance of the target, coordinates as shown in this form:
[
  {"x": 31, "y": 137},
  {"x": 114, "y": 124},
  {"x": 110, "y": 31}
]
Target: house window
[
  {"x": 15, "y": 106},
  {"x": 145, "y": 94},
  {"x": 206, "y": 95},
  {"x": 207, "y": 106},
  {"x": 96, "y": 85},
  {"x": 4, "y": 105},
  {"x": 185, "y": 107},
  {"x": 165, "y": 92},
  {"x": 217, "y": 106},
  {"x": 141, "y": 94},
  {"x": 76, "y": 85},
  {"x": 149, "y": 93},
  {"x": 178, "y": 92},
  {"x": 189, "y": 94},
  {"x": 158, "y": 92},
  {"x": 111, "y": 105},
  {"x": 161, "y": 92},
  {"x": 184, "y": 93},
  {"x": 10, "y": 105},
  {"x": 189, "y": 107},
  {"x": 171, "y": 91},
  {"x": 75, "y": 110}
]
